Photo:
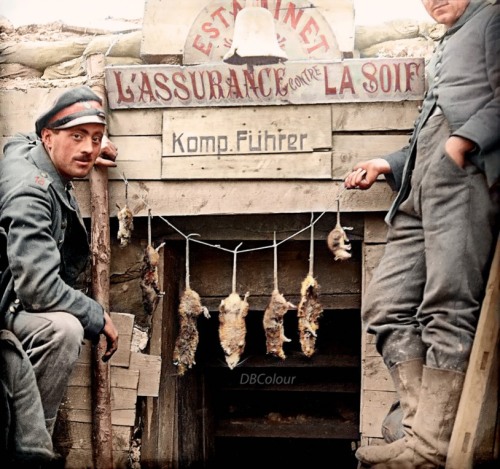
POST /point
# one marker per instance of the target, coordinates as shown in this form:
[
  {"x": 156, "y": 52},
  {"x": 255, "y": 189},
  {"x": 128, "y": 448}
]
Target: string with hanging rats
[{"x": 313, "y": 222}]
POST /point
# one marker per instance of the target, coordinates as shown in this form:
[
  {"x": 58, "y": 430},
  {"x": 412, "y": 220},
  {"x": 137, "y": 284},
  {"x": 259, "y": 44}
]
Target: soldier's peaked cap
[{"x": 73, "y": 107}]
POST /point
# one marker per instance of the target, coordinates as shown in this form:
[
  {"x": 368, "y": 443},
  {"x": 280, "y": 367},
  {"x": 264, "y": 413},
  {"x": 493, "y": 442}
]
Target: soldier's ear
[{"x": 47, "y": 135}]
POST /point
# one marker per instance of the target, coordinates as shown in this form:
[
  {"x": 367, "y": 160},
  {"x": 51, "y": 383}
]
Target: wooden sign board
[
  {"x": 354, "y": 80},
  {"x": 246, "y": 130},
  {"x": 298, "y": 27}
]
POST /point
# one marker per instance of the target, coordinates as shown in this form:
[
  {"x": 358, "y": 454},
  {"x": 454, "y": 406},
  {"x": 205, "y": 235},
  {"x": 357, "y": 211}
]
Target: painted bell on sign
[{"x": 254, "y": 39}]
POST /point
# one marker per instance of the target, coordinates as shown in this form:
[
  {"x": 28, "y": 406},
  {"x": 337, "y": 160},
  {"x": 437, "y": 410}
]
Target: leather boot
[
  {"x": 433, "y": 422},
  {"x": 407, "y": 378}
]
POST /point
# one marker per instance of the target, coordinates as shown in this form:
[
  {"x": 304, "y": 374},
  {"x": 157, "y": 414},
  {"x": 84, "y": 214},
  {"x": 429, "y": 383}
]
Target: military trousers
[
  {"x": 425, "y": 295},
  {"x": 53, "y": 342}
]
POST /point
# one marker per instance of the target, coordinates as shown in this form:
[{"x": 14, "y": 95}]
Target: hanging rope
[
  {"x": 275, "y": 262},
  {"x": 259, "y": 248},
  {"x": 235, "y": 253},
  {"x": 188, "y": 286},
  {"x": 311, "y": 248}
]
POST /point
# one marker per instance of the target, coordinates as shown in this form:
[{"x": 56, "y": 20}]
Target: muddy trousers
[
  {"x": 425, "y": 295},
  {"x": 52, "y": 342}
]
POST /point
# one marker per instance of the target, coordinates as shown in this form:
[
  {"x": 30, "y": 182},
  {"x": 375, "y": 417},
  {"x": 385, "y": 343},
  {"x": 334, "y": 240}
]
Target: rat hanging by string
[
  {"x": 190, "y": 308},
  {"x": 151, "y": 292},
  {"x": 337, "y": 240},
  {"x": 232, "y": 323},
  {"x": 274, "y": 314},
  {"x": 310, "y": 309},
  {"x": 125, "y": 220}
]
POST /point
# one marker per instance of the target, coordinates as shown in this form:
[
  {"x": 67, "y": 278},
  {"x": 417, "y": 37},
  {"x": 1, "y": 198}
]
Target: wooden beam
[
  {"x": 481, "y": 367},
  {"x": 214, "y": 197},
  {"x": 102, "y": 435}
]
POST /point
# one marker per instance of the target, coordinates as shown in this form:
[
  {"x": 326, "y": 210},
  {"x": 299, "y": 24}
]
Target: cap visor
[{"x": 80, "y": 121}]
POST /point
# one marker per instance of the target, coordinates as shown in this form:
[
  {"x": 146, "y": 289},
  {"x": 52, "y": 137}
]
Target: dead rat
[
  {"x": 273, "y": 324},
  {"x": 337, "y": 240},
  {"x": 190, "y": 308},
  {"x": 232, "y": 327}
]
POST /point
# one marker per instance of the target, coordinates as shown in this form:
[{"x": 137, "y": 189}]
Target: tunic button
[
  {"x": 12, "y": 309},
  {"x": 17, "y": 301}
]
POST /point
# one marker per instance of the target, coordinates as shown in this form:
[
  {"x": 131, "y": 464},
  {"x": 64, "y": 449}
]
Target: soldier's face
[
  {"x": 446, "y": 12},
  {"x": 74, "y": 151}
]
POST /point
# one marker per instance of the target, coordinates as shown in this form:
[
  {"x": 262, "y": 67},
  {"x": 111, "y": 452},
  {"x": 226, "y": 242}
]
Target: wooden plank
[
  {"x": 77, "y": 404},
  {"x": 340, "y": 15},
  {"x": 81, "y": 375},
  {"x": 124, "y": 323},
  {"x": 165, "y": 26},
  {"x": 479, "y": 372},
  {"x": 371, "y": 258},
  {"x": 371, "y": 361},
  {"x": 135, "y": 122},
  {"x": 81, "y": 437},
  {"x": 317, "y": 165},
  {"x": 376, "y": 405},
  {"x": 341, "y": 278},
  {"x": 370, "y": 349},
  {"x": 185, "y": 198},
  {"x": 374, "y": 117},
  {"x": 294, "y": 82},
  {"x": 82, "y": 459},
  {"x": 296, "y": 359},
  {"x": 20, "y": 108},
  {"x": 106, "y": 26},
  {"x": 351, "y": 149},
  {"x": 78, "y": 398},
  {"x": 316, "y": 428},
  {"x": 375, "y": 229},
  {"x": 160, "y": 435},
  {"x": 124, "y": 378},
  {"x": 149, "y": 368},
  {"x": 376, "y": 376},
  {"x": 124, "y": 417},
  {"x": 139, "y": 158},
  {"x": 262, "y": 227},
  {"x": 120, "y": 377},
  {"x": 239, "y": 131}
]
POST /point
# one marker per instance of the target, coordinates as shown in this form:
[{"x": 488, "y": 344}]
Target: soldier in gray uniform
[
  {"x": 424, "y": 299},
  {"x": 47, "y": 245}
]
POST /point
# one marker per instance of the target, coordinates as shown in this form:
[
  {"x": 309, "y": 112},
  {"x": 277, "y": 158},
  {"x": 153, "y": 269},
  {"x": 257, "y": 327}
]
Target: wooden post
[
  {"x": 102, "y": 434},
  {"x": 482, "y": 363}
]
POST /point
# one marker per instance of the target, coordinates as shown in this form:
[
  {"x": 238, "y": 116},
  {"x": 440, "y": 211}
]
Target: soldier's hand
[
  {"x": 111, "y": 334},
  {"x": 108, "y": 155}
]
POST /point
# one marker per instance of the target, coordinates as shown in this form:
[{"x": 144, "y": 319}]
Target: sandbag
[
  {"x": 42, "y": 54},
  {"x": 69, "y": 69},
  {"x": 368, "y": 35},
  {"x": 116, "y": 45},
  {"x": 11, "y": 71},
  {"x": 122, "y": 61},
  {"x": 418, "y": 47}
]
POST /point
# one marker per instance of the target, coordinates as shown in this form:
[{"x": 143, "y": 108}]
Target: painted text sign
[
  {"x": 360, "y": 80},
  {"x": 246, "y": 130}
]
